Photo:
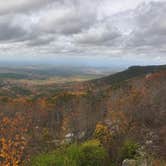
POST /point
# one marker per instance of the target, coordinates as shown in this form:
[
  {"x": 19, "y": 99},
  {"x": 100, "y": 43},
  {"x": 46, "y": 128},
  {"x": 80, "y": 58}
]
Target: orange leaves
[
  {"x": 156, "y": 76},
  {"x": 11, "y": 151},
  {"x": 12, "y": 140},
  {"x": 156, "y": 80},
  {"x": 102, "y": 133}
]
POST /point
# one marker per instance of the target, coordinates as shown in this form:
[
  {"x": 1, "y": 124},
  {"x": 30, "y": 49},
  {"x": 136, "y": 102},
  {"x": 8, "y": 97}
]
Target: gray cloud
[
  {"x": 40, "y": 41},
  {"x": 150, "y": 26},
  {"x": 68, "y": 18},
  {"x": 101, "y": 34},
  {"x": 8, "y": 31},
  {"x": 84, "y": 27},
  {"x": 17, "y": 6}
]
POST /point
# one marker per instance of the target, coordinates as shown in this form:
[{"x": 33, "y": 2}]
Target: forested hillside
[{"x": 123, "y": 116}]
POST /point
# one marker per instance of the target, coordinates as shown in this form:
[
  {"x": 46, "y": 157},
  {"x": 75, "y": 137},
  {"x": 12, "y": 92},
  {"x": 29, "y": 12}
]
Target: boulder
[
  {"x": 132, "y": 162},
  {"x": 129, "y": 162}
]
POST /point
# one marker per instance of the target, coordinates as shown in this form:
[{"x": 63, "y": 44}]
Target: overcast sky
[{"x": 121, "y": 31}]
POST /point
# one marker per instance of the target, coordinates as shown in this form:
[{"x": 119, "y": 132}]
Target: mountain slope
[
  {"x": 131, "y": 104},
  {"x": 135, "y": 109},
  {"x": 131, "y": 72}
]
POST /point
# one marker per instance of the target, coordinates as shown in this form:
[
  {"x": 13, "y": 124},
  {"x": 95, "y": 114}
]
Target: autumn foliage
[
  {"x": 13, "y": 140},
  {"x": 134, "y": 109}
]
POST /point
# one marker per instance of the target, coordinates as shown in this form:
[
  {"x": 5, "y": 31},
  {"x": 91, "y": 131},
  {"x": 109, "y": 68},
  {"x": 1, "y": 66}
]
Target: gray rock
[
  {"x": 129, "y": 162},
  {"x": 81, "y": 135}
]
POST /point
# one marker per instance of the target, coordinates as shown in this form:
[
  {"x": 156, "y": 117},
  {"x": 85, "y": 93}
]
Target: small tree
[
  {"x": 92, "y": 154},
  {"x": 103, "y": 134},
  {"x": 129, "y": 150},
  {"x": 12, "y": 140}
]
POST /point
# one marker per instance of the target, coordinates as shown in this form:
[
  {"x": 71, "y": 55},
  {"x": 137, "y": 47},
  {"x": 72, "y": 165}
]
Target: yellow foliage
[
  {"x": 12, "y": 141},
  {"x": 102, "y": 133}
]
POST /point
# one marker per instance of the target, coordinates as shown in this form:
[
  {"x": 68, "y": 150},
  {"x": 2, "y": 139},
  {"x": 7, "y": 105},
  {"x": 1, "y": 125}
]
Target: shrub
[
  {"x": 129, "y": 150},
  {"x": 92, "y": 154},
  {"x": 103, "y": 134},
  {"x": 72, "y": 156},
  {"x": 52, "y": 159}
]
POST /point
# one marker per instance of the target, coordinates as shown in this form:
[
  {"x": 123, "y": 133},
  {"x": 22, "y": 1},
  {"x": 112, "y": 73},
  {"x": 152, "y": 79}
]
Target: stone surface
[
  {"x": 132, "y": 162},
  {"x": 129, "y": 162}
]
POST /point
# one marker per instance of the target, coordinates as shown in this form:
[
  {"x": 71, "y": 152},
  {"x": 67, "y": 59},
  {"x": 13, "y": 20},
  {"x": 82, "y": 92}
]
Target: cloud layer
[{"x": 74, "y": 27}]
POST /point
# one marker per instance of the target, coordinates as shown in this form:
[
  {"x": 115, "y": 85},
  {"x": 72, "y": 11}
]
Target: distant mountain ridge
[{"x": 131, "y": 72}]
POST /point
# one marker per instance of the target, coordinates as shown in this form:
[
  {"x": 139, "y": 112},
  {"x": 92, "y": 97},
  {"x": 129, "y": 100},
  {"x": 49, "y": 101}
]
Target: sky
[{"x": 94, "y": 32}]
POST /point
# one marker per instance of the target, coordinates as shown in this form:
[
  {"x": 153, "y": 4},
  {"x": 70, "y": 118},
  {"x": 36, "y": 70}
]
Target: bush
[
  {"x": 90, "y": 153},
  {"x": 52, "y": 159},
  {"x": 72, "y": 156},
  {"x": 129, "y": 150},
  {"x": 103, "y": 134}
]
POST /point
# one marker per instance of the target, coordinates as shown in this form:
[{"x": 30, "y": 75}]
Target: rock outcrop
[{"x": 129, "y": 162}]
